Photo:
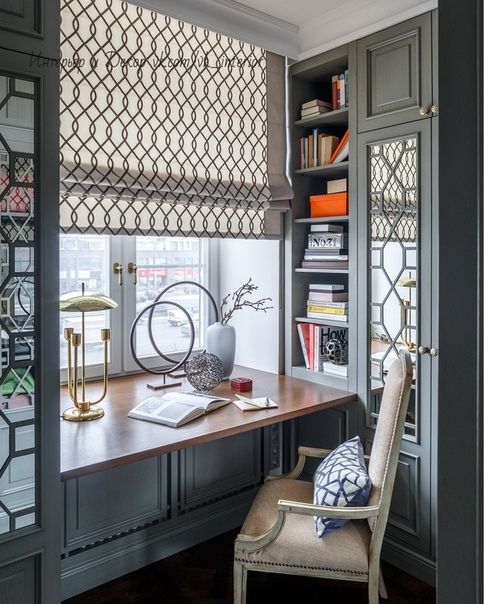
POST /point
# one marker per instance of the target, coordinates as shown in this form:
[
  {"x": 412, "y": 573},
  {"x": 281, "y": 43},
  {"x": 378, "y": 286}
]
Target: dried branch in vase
[{"x": 238, "y": 301}]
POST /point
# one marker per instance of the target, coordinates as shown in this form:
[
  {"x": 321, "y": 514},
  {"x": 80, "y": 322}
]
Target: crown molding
[
  {"x": 257, "y": 14},
  {"x": 334, "y": 28},
  {"x": 232, "y": 19}
]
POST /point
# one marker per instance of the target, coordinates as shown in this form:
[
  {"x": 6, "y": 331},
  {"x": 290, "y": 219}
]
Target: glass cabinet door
[
  {"x": 395, "y": 304},
  {"x": 394, "y": 271},
  {"x": 17, "y": 293}
]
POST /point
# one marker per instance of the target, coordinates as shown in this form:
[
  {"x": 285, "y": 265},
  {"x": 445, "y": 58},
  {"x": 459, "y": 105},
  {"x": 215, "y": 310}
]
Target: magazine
[{"x": 175, "y": 409}]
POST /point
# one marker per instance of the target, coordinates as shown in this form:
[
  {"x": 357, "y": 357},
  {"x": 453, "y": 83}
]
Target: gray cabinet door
[
  {"x": 395, "y": 74},
  {"x": 395, "y": 307},
  {"x": 102, "y": 505},
  {"x": 31, "y": 27},
  {"x": 218, "y": 469},
  {"x": 29, "y": 388}
]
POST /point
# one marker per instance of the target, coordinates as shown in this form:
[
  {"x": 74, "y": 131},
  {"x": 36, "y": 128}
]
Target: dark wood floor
[{"x": 203, "y": 575}]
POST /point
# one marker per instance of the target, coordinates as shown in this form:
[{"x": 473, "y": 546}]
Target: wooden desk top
[{"x": 115, "y": 439}]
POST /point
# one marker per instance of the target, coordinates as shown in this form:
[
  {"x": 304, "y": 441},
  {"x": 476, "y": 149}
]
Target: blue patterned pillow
[{"x": 341, "y": 480}]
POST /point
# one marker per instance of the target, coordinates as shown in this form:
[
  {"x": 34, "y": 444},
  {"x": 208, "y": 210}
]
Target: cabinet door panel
[
  {"x": 30, "y": 26},
  {"x": 106, "y": 503},
  {"x": 18, "y": 583},
  {"x": 219, "y": 468},
  {"x": 394, "y": 71}
]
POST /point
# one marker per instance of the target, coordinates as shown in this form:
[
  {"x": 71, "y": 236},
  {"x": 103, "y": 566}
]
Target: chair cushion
[
  {"x": 341, "y": 480},
  {"x": 298, "y": 547}
]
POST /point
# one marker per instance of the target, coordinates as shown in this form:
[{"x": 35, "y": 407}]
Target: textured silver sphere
[
  {"x": 204, "y": 371},
  {"x": 337, "y": 351}
]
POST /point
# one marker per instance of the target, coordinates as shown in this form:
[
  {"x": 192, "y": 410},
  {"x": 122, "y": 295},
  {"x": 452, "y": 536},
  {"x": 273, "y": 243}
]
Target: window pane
[
  {"x": 162, "y": 261},
  {"x": 84, "y": 259}
]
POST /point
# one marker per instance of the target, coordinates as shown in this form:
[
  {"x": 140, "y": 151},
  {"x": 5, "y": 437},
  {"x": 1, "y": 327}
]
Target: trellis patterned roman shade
[{"x": 167, "y": 128}]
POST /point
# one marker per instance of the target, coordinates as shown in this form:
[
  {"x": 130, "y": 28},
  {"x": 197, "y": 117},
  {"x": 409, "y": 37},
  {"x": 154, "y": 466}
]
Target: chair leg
[
  {"x": 240, "y": 583},
  {"x": 373, "y": 581},
  {"x": 382, "y": 587}
]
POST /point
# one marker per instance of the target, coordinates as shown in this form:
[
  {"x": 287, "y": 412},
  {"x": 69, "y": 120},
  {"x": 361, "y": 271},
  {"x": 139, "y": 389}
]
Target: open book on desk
[{"x": 176, "y": 408}]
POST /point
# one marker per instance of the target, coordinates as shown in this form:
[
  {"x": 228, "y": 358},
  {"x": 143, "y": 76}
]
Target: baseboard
[
  {"x": 93, "y": 567},
  {"x": 411, "y": 562}
]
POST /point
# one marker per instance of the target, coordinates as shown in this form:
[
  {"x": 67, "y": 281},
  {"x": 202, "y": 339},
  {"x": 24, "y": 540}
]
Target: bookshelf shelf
[
  {"x": 330, "y": 170},
  {"x": 319, "y": 377},
  {"x": 322, "y": 322},
  {"x": 331, "y": 118},
  {"x": 321, "y": 219},
  {"x": 330, "y": 271}
]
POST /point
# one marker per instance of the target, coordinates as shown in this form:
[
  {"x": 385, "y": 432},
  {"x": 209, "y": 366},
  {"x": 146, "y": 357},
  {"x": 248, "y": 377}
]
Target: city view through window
[{"x": 160, "y": 261}]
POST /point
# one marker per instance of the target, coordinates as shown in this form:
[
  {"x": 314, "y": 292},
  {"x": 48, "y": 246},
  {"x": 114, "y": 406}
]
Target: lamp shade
[
  {"x": 409, "y": 282},
  {"x": 79, "y": 302}
]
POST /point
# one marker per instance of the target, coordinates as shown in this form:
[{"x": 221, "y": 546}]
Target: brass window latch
[
  {"x": 133, "y": 270},
  {"x": 118, "y": 270}
]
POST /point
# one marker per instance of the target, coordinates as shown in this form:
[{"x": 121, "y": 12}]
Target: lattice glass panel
[
  {"x": 393, "y": 213},
  {"x": 17, "y": 288}
]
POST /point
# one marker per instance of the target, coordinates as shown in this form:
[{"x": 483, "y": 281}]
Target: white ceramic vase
[{"x": 220, "y": 341}]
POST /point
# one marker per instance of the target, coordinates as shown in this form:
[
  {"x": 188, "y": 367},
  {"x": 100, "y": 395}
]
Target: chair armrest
[
  {"x": 298, "y": 468},
  {"x": 248, "y": 543},
  {"x": 303, "y": 453},
  {"x": 344, "y": 513},
  {"x": 313, "y": 452}
]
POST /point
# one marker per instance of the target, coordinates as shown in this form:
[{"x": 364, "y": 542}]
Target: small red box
[{"x": 241, "y": 384}]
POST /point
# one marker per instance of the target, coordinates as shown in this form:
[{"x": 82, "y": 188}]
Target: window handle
[
  {"x": 118, "y": 270},
  {"x": 133, "y": 270}
]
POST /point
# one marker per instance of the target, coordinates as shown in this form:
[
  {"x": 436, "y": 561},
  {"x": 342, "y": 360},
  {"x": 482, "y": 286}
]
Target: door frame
[{"x": 460, "y": 422}]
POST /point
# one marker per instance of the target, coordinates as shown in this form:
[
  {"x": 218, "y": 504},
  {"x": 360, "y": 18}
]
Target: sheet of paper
[{"x": 259, "y": 405}]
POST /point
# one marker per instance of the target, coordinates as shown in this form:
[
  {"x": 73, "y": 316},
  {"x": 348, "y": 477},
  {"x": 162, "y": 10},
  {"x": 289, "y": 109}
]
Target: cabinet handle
[
  {"x": 425, "y": 110},
  {"x": 435, "y": 109},
  {"x": 423, "y": 350},
  {"x": 133, "y": 270},
  {"x": 118, "y": 270},
  {"x": 434, "y": 352}
]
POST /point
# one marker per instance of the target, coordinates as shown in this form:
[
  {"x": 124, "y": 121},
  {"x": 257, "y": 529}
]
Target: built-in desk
[
  {"x": 136, "y": 491},
  {"x": 117, "y": 439}
]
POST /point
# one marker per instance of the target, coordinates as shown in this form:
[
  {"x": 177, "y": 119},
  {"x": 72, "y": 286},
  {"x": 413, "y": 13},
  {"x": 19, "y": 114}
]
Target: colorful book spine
[{"x": 329, "y": 310}]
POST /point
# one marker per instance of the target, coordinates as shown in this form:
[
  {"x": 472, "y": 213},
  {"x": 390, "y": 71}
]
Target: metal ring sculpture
[
  {"x": 150, "y": 318},
  {"x": 162, "y": 370}
]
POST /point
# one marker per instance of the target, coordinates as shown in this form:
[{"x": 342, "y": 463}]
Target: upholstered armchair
[{"x": 279, "y": 532}]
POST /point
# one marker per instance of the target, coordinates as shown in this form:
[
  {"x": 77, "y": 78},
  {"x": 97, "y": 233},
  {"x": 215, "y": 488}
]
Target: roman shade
[{"x": 168, "y": 128}]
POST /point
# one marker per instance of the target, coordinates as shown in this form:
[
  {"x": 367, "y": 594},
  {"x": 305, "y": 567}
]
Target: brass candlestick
[
  {"x": 83, "y": 409},
  {"x": 406, "y": 313}
]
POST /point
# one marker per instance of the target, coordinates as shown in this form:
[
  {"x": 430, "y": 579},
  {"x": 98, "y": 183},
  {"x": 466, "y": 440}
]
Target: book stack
[
  {"x": 313, "y": 339},
  {"x": 318, "y": 148},
  {"x": 315, "y": 108},
  {"x": 327, "y": 248},
  {"x": 339, "y": 90},
  {"x": 327, "y": 302}
]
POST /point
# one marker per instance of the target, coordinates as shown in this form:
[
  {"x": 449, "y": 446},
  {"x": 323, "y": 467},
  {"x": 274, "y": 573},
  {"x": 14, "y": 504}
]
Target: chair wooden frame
[{"x": 246, "y": 544}]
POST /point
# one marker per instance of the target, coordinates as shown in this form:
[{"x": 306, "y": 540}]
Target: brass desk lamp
[{"x": 83, "y": 409}]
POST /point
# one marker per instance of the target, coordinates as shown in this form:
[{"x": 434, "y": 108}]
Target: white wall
[{"x": 258, "y": 337}]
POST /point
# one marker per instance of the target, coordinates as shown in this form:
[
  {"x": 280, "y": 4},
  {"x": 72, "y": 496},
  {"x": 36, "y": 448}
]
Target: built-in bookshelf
[{"x": 312, "y": 79}]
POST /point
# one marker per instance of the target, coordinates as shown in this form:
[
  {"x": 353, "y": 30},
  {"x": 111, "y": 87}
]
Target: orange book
[
  {"x": 331, "y": 204},
  {"x": 343, "y": 143}
]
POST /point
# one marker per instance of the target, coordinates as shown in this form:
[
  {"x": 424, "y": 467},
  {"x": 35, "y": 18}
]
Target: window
[
  {"x": 160, "y": 262},
  {"x": 84, "y": 259}
]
